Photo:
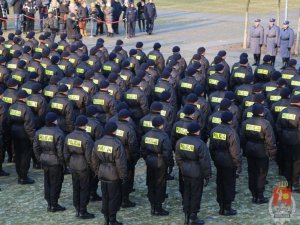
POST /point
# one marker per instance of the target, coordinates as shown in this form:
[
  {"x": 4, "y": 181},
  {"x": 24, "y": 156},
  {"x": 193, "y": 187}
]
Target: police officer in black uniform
[
  {"x": 259, "y": 145},
  {"x": 77, "y": 154},
  {"x": 110, "y": 163},
  {"x": 22, "y": 130},
  {"x": 193, "y": 159},
  {"x": 227, "y": 156},
  {"x": 156, "y": 149},
  {"x": 48, "y": 147}
]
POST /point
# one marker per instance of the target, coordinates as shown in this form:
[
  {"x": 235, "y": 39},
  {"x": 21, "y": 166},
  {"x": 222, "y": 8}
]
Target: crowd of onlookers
[{"x": 73, "y": 15}]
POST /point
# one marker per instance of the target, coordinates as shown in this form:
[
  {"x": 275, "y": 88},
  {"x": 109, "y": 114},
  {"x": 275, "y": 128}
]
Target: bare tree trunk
[
  {"x": 246, "y": 24},
  {"x": 298, "y": 36},
  {"x": 278, "y": 12}
]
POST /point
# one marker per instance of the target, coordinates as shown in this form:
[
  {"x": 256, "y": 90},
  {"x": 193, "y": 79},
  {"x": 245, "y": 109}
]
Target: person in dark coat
[
  {"x": 259, "y": 145},
  {"x": 271, "y": 39},
  {"x": 150, "y": 16},
  {"x": 29, "y": 9},
  {"x": 110, "y": 163},
  {"x": 22, "y": 128},
  {"x": 117, "y": 11},
  {"x": 72, "y": 26},
  {"x": 286, "y": 42},
  {"x": 17, "y": 7},
  {"x": 51, "y": 25},
  {"x": 141, "y": 15},
  {"x": 256, "y": 40},
  {"x": 3, "y": 131},
  {"x": 4, "y": 11},
  {"x": 48, "y": 147},
  {"x": 131, "y": 17},
  {"x": 287, "y": 127},
  {"x": 63, "y": 13},
  {"x": 193, "y": 159},
  {"x": 156, "y": 150},
  {"x": 78, "y": 148},
  {"x": 226, "y": 153}
]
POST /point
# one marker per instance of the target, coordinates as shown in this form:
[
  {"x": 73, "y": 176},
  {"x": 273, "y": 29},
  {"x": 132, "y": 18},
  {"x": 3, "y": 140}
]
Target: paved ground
[{"x": 25, "y": 204}]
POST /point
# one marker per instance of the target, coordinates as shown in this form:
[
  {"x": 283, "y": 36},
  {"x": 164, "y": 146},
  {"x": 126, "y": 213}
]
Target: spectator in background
[
  {"x": 116, "y": 5},
  {"x": 63, "y": 15},
  {"x": 51, "y": 25},
  {"x": 150, "y": 16},
  {"x": 131, "y": 17},
  {"x": 29, "y": 9},
  {"x": 72, "y": 26},
  {"x": 141, "y": 15},
  {"x": 54, "y": 7},
  {"x": 100, "y": 5},
  {"x": 95, "y": 15},
  {"x": 17, "y": 7},
  {"x": 4, "y": 11},
  {"x": 108, "y": 14},
  {"x": 83, "y": 15},
  {"x": 43, "y": 11}
]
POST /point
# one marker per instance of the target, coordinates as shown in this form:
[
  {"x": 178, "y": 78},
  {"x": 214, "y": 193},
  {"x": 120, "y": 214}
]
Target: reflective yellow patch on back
[
  {"x": 73, "y": 97},
  {"x": 88, "y": 129},
  {"x": 295, "y": 83},
  {"x": 287, "y": 76},
  {"x": 216, "y": 120},
  {"x": 219, "y": 136},
  {"x": 213, "y": 81},
  {"x": 79, "y": 70},
  {"x": 159, "y": 89},
  {"x": 45, "y": 137},
  {"x": 181, "y": 130},
  {"x": 31, "y": 69},
  {"x": 270, "y": 88},
  {"x": 55, "y": 105},
  {"x": 7, "y": 100},
  {"x": 107, "y": 68},
  {"x": 49, "y": 72},
  {"x": 98, "y": 101},
  {"x": 153, "y": 57},
  {"x": 252, "y": 127},
  {"x": 17, "y": 77},
  {"x": 14, "y": 112},
  {"x": 124, "y": 77},
  {"x": 279, "y": 108},
  {"x": 119, "y": 133},
  {"x": 29, "y": 91},
  {"x": 242, "y": 93},
  {"x": 249, "y": 103},
  {"x": 49, "y": 93},
  {"x": 275, "y": 98},
  {"x": 288, "y": 116},
  {"x": 186, "y": 147},
  {"x": 186, "y": 85},
  {"x": 147, "y": 124},
  {"x": 131, "y": 96},
  {"x": 105, "y": 149},
  {"x": 249, "y": 115},
  {"x": 216, "y": 99},
  {"x": 240, "y": 75},
  {"x": 263, "y": 71},
  {"x": 33, "y": 104},
  {"x": 73, "y": 142},
  {"x": 151, "y": 141}
]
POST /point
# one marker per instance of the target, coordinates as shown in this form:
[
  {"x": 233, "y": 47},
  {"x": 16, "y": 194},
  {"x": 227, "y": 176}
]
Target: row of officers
[
  {"x": 273, "y": 38},
  {"x": 163, "y": 106}
]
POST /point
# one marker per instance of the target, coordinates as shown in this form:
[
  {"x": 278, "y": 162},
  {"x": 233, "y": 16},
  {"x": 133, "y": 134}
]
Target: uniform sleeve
[
  {"x": 235, "y": 150},
  {"x": 121, "y": 162},
  {"x": 98, "y": 133},
  {"x": 242, "y": 135},
  {"x": 67, "y": 154},
  {"x": 133, "y": 145},
  {"x": 291, "y": 38},
  {"x": 270, "y": 142},
  {"x": 60, "y": 148},
  {"x": 144, "y": 104},
  {"x": 261, "y": 40},
  {"x": 69, "y": 115},
  {"x": 95, "y": 162},
  {"x": 178, "y": 157},
  {"x": 29, "y": 124},
  {"x": 205, "y": 161},
  {"x": 143, "y": 150},
  {"x": 112, "y": 107},
  {"x": 167, "y": 151},
  {"x": 44, "y": 108},
  {"x": 277, "y": 36},
  {"x": 88, "y": 150},
  {"x": 36, "y": 147}
]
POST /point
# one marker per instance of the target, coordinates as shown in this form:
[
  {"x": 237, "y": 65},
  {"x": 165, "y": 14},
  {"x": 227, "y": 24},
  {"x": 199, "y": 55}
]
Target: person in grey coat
[
  {"x": 256, "y": 40},
  {"x": 285, "y": 43},
  {"x": 271, "y": 39}
]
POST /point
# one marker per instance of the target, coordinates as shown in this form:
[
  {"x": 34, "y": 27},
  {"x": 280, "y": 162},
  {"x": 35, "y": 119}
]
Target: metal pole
[
  {"x": 286, "y": 9},
  {"x": 92, "y": 26}
]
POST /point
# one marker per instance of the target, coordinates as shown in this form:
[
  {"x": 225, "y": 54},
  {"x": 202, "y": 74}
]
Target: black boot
[
  {"x": 126, "y": 203},
  {"x": 86, "y": 215},
  {"x": 57, "y": 208},
  {"x": 283, "y": 64},
  {"x": 159, "y": 211},
  {"x": 261, "y": 199},
  {"x": 48, "y": 207},
  {"x": 255, "y": 60},
  {"x": 106, "y": 218},
  {"x": 26, "y": 180},
  {"x": 258, "y": 59},
  {"x": 186, "y": 219},
  {"x": 228, "y": 211},
  {"x": 194, "y": 220},
  {"x": 113, "y": 220},
  {"x": 77, "y": 213},
  {"x": 152, "y": 209},
  {"x": 221, "y": 211}
]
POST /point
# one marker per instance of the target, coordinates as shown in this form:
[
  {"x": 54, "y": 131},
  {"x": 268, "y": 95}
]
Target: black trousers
[
  {"x": 115, "y": 27},
  {"x": 193, "y": 188},
  {"x": 141, "y": 22},
  {"x": 226, "y": 179},
  {"x": 93, "y": 184},
  {"x": 22, "y": 147},
  {"x": 128, "y": 185},
  {"x": 53, "y": 179},
  {"x": 149, "y": 25},
  {"x": 81, "y": 189},
  {"x": 181, "y": 184},
  {"x": 257, "y": 174},
  {"x": 29, "y": 24},
  {"x": 111, "y": 197},
  {"x": 131, "y": 28},
  {"x": 273, "y": 59},
  {"x": 291, "y": 163},
  {"x": 157, "y": 184},
  {"x": 257, "y": 58}
]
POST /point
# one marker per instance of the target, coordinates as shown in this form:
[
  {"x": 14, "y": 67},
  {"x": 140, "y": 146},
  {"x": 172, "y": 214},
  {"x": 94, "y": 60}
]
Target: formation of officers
[
  {"x": 97, "y": 113},
  {"x": 273, "y": 38}
]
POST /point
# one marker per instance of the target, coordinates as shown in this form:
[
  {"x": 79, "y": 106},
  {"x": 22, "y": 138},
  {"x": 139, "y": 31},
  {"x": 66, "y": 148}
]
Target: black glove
[
  {"x": 275, "y": 46},
  {"x": 124, "y": 180},
  {"x": 260, "y": 45},
  {"x": 206, "y": 181},
  {"x": 289, "y": 49},
  {"x": 239, "y": 170}
]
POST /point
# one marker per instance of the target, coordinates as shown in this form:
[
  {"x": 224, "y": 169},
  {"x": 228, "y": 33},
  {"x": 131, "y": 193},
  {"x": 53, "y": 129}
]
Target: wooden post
[
  {"x": 278, "y": 12},
  {"x": 246, "y": 24},
  {"x": 298, "y": 36}
]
